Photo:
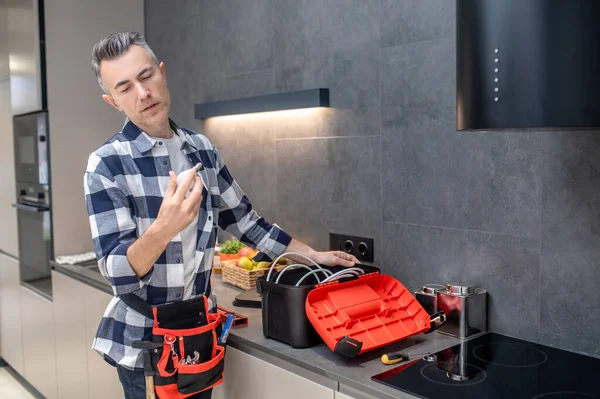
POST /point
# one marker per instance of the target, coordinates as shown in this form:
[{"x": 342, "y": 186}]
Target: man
[{"x": 153, "y": 237}]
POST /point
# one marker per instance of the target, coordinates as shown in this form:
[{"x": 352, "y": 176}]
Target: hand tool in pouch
[
  {"x": 226, "y": 328},
  {"x": 397, "y": 357},
  {"x": 148, "y": 369}
]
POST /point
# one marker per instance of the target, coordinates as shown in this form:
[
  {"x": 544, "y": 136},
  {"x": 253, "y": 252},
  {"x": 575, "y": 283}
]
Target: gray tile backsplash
[
  {"x": 571, "y": 241},
  {"x": 479, "y": 181},
  {"x": 333, "y": 44},
  {"x": 224, "y": 28},
  {"x": 418, "y": 84},
  {"x": 352, "y": 77},
  {"x": 409, "y": 21},
  {"x": 508, "y": 267},
  {"x": 246, "y": 85},
  {"x": 242, "y": 144},
  {"x": 516, "y": 212},
  {"x": 331, "y": 179}
]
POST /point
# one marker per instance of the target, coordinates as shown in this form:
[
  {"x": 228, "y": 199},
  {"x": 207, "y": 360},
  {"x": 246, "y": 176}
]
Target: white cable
[
  {"x": 348, "y": 270},
  {"x": 340, "y": 276},
  {"x": 289, "y": 267},
  {"x": 288, "y": 253},
  {"x": 313, "y": 272}
]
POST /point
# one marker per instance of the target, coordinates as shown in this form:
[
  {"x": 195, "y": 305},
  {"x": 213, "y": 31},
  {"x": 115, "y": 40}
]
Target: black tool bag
[
  {"x": 186, "y": 356},
  {"x": 283, "y": 314}
]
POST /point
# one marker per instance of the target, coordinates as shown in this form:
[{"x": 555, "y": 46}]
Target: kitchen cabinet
[
  {"x": 70, "y": 332},
  {"x": 339, "y": 395},
  {"x": 81, "y": 371},
  {"x": 11, "y": 333},
  {"x": 247, "y": 377},
  {"x": 39, "y": 356},
  {"x": 9, "y": 242},
  {"x": 103, "y": 381}
]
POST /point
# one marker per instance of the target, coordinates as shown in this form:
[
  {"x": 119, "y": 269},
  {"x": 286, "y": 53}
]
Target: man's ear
[
  {"x": 163, "y": 69},
  {"x": 111, "y": 101}
]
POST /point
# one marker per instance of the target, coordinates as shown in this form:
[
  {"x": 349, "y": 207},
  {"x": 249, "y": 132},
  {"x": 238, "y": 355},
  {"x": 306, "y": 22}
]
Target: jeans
[{"x": 134, "y": 385}]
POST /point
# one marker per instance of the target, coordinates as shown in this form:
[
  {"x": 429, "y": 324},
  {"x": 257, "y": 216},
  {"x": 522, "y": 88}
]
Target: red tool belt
[{"x": 186, "y": 356}]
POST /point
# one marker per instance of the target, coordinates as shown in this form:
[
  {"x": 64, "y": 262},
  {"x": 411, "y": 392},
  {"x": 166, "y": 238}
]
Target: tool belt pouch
[{"x": 188, "y": 358}]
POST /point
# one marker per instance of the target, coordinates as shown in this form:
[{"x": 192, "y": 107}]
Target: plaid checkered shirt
[{"x": 125, "y": 181}]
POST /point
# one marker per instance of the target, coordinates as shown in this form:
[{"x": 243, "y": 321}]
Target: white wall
[
  {"x": 4, "y": 72},
  {"x": 8, "y": 215},
  {"x": 80, "y": 121}
]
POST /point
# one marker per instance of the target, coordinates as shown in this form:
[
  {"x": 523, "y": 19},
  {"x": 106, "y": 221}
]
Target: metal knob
[
  {"x": 460, "y": 289},
  {"x": 432, "y": 288}
]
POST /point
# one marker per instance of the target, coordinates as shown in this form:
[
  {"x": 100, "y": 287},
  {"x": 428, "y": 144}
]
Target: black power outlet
[{"x": 360, "y": 247}]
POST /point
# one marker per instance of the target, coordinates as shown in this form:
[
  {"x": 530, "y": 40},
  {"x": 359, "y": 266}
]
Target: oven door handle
[{"x": 31, "y": 208}]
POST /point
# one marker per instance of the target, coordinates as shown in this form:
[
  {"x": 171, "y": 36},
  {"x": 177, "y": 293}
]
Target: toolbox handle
[
  {"x": 369, "y": 274},
  {"x": 437, "y": 320},
  {"x": 338, "y": 281},
  {"x": 348, "y": 347},
  {"x": 327, "y": 284}
]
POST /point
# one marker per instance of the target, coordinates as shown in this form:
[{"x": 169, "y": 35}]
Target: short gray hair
[{"x": 113, "y": 46}]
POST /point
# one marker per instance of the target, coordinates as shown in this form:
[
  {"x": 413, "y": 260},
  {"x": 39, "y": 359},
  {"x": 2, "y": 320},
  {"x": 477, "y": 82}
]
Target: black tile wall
[{"x": 515, "y": 212}]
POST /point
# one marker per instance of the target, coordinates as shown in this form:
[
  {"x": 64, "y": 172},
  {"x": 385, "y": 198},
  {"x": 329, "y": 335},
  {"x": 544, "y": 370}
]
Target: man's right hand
[
  {"x": 175, "y": 214},
  {"x": 177, "y": 211}
]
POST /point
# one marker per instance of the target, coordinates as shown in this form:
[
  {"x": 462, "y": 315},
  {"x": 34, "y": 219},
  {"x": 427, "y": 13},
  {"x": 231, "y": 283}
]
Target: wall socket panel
[{"x": 362, "y": 248}]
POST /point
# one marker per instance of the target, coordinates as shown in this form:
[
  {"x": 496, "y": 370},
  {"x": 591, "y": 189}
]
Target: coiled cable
[
  {"x": 285, "y": 254},
  {"x": 310, "y": 271}
]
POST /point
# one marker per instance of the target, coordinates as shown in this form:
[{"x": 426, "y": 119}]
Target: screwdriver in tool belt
[
  {"x": 397, "y": 357},
  {"x": 226, "y": 328}
]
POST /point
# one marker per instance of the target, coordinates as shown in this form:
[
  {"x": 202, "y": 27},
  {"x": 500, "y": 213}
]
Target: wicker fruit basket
[{"x": 242, "y": 278}]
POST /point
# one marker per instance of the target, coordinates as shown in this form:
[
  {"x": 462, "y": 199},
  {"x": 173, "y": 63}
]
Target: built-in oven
[
  {"x": 35, "y": 232},
  {"x": 31, "y": 147},
  {"x": 34, "y": 216}
]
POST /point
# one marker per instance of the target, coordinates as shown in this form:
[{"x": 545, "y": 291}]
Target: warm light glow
[
  {"x": 255, "y": 116},
  {"x": 21, "y": 65}
]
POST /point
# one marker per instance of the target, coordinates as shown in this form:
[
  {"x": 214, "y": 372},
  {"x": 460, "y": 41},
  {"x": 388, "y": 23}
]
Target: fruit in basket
[
  {"x": 247, "y": 252},
  {"x": 245, "y": 263},
  {"x": 282, "y": 261},
  {"x": 262, "y": 265}
]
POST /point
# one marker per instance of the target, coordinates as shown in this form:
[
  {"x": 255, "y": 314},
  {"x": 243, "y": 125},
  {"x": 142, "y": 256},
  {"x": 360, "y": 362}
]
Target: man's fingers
[
  {"x": 184, "y": 184},
  {"x": 346, "y": 259},
  {"x": 195, "y": 196},
  {"x": 172, "y": 184}
]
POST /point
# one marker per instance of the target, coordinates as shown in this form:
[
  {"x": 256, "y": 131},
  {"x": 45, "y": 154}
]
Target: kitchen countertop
[{"x": 319, "y": 363}]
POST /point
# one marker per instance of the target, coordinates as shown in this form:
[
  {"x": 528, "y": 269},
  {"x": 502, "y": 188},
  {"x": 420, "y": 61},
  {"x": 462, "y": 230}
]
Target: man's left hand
[{"x": 335, "y": 258}]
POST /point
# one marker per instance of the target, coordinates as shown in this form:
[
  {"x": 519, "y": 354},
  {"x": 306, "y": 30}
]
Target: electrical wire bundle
[{"x": 329, "y": 276}]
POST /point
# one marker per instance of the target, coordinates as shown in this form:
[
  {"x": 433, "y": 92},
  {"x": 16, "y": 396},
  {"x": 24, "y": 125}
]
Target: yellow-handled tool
[{"x": 397, "y": 357}]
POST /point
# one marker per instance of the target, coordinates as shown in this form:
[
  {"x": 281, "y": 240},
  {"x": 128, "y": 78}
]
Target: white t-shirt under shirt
[{"x": 179, "y": 163}]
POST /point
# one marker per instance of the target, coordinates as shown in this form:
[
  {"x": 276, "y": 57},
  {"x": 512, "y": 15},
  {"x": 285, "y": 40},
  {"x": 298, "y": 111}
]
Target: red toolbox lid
[{"x": 364, "y": 314}]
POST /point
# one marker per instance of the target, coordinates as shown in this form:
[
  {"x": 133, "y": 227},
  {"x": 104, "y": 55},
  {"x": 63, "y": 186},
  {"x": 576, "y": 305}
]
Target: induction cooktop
[{"x": 495, "y": 366}]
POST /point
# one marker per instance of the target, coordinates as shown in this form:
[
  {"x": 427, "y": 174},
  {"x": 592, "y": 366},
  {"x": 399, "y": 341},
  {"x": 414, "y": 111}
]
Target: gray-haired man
[{"x": 153, "y": 237}]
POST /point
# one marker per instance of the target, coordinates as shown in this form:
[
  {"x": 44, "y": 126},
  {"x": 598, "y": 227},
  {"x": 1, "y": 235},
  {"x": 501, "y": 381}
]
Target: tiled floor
[{"x": 10, "y": 388}]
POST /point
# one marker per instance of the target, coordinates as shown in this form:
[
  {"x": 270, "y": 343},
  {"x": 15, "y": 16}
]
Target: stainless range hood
[{"x": 528, "y": 64}]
